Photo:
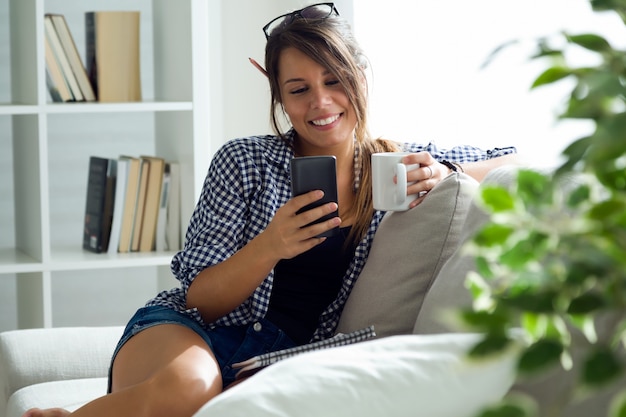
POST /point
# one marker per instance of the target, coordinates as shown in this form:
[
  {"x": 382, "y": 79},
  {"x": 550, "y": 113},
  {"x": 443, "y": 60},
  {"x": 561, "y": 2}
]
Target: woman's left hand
[{"x": 423, "y": 179}]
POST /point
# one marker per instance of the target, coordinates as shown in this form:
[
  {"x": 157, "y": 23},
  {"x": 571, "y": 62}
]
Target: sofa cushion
[
  {"x": 33, "y": 356},
  {"x": 69, "y": 394},
  {"x": 396, "y": 376},
  {"x": 407, "y": 253}
]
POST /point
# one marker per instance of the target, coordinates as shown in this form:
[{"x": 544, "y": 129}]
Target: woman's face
[{"x": 316, "y": 104}]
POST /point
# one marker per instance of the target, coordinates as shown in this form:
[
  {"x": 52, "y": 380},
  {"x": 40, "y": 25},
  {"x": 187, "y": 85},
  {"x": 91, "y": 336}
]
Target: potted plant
[{"x": 552, "y": 259}]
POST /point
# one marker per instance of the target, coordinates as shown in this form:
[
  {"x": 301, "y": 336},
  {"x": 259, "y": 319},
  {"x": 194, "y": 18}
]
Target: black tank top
[{"x": 306, "y": 284}]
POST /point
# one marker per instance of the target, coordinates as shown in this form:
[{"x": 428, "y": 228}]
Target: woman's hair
[{"x": 330, "y": 43}]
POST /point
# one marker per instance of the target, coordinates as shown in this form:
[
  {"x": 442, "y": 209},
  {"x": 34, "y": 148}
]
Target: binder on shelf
[
  {"x": 130, "y": 203},
  {"x": 99, "y": 203},
  {"x": 151, "y": 207},
  {"x": 113, "y": 61},
  {"x": 59, "y": 54},
  {"x": 73, "y": 56}
]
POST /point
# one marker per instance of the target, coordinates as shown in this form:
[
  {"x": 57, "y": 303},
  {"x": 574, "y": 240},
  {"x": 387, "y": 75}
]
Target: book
[
  {"x": 57, "y": 86},
  {"x": 173, "y": 226},
  {"x": 161, "y": 238},
  {"x": 151, "y": 206},
  {"x": 130, "y": 203},
  {"x": 118, "y": 204},
  {"x": 99, "y": 203},
  {"x": 73, "y": 56},
  {"x": 61, "y": 58},
  {"x": 144, "y": 173},
  {"x": 112, "y": 55},
  {"x": 256, "y": 363}
]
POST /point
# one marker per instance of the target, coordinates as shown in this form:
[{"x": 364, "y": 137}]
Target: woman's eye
[
  {"x": 298, "y": 90},
  {"x": 332, "y": 82}
]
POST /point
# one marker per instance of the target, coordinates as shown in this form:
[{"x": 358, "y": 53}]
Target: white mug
[{"x": 387, "y": 195}]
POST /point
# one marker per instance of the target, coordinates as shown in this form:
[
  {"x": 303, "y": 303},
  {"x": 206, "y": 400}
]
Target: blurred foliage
[{"x": 552, "y": 260}]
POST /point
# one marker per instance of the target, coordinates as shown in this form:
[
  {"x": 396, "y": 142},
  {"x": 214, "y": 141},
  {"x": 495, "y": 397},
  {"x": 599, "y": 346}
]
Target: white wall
[{"x": 427, "y": 79}]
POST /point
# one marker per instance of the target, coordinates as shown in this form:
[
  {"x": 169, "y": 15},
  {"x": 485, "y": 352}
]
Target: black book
[{"x": 99, "y": 203}]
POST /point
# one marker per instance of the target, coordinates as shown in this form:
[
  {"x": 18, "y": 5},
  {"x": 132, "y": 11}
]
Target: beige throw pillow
[{"x": 408, "y": 252}]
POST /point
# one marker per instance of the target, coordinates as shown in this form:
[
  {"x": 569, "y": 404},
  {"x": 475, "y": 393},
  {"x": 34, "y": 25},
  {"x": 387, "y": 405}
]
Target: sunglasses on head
[{"x": 317, "y": 11}]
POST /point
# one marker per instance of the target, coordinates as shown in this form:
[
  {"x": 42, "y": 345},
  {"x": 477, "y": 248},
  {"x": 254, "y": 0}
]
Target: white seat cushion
[
  {"x": 69, "y": 394},
  {"x": 398, "y": 376}
]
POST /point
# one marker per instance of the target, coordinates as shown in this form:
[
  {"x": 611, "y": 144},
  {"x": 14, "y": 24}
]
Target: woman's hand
[
  {"x": 423, "y": 179},
  {"x": 286, "y": 235}
]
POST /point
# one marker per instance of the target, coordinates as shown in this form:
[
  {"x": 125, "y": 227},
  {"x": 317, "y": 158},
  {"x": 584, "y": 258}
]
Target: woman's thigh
[{"x": 170, "y": 351}]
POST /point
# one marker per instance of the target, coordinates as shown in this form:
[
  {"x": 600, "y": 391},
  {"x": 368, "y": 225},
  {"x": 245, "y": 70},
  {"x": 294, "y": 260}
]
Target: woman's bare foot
[{"x": 49, "y": 412}]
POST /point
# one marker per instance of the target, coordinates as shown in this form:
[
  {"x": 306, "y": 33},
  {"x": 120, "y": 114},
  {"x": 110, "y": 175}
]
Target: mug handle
[{"x": 401, "y": 183}]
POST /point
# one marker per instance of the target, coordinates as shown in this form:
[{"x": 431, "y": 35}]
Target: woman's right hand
[{"x": 286, "y": 235}]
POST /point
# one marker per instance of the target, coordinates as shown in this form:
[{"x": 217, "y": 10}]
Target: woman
[{"x": 253, "y": 278}]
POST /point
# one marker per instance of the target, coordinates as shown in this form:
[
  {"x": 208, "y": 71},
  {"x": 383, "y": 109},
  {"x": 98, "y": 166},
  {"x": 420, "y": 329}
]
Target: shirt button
[{"x": 257, "y": 327}]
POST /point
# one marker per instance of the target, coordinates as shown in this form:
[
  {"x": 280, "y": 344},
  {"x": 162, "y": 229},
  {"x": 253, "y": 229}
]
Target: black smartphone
[{"x": 310, "y": 173}]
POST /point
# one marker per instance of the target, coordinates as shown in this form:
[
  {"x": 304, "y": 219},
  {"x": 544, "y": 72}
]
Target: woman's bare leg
[{"x": 166, "y": 370}]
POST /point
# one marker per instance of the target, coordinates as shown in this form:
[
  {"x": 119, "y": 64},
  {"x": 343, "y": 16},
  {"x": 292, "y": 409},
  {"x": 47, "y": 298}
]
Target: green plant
[{"x": 552, "y": 259}]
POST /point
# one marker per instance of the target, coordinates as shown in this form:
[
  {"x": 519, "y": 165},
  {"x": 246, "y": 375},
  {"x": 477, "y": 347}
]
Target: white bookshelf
[{"x": 50, "y": 148}]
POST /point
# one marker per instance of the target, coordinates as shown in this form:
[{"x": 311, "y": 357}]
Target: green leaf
[
  {"x": 493, "y": 234},
  {"x": 590, "y": 41},
  {"x": 498, "y": 199},
  {"x": 527, "y": 250},
  {"x": 580, "y": 195},
  {"x": 534, "y": 187},
  {"x": 493, "y": 322},
  {"x": 540, "y": 355},
  {"x": 586, "y": 303},
  {"x": 551, "y": 75},
  {"x": 505, "y": 410},
  {"x": 607, "y": 209},
  {"x": 491, "y": 344},
  {"x": 601, "y": 367},
  {"x": 531, "y": 300}
]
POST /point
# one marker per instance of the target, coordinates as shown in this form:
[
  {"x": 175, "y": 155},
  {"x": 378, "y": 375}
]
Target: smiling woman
[{"x": 438, "y": 87}]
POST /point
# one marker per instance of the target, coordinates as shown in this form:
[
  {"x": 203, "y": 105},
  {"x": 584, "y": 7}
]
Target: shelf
[
  {"x": 67, "y": 108},
  {"x": 68, "y": 259},
  {"x": 9, "y": 109},
  {"x": 145, "y": 106},
  {"x": 13, "y": 261}
]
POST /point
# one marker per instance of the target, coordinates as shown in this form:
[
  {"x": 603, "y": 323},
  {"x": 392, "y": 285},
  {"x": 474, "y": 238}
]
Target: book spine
[
  {"x": 95, "y": 203},
  {"x": 90, "y": 51}
]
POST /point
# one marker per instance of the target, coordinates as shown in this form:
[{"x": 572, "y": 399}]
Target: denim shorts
[{"x": 229, "y": 344}]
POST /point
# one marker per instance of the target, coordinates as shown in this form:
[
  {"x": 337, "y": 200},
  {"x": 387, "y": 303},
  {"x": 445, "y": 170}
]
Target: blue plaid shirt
[{"x": 247, "y": 182}]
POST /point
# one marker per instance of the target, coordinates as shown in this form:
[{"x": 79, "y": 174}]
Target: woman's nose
[{"x": 320, "y": 98}]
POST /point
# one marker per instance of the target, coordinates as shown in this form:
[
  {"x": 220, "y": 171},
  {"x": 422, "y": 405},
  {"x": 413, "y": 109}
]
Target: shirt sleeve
[
  {"x": 460, "y": 154},
  {"x": 215, "y": 228}
]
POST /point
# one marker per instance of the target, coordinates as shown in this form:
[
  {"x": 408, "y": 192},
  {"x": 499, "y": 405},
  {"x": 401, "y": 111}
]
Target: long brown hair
[{"x": 330, "y": 43}]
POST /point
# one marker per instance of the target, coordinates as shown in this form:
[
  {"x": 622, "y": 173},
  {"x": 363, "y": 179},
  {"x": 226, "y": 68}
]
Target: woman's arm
[
  {"x": 219, "y": 289},
  {"x": 478, "y": 170}
]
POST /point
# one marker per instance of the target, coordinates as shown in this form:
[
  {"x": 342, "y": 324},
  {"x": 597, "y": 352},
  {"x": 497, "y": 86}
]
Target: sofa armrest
[{"x": 33, "y": 356}]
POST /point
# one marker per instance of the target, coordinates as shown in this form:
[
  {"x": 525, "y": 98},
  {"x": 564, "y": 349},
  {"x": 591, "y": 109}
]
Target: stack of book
[
  {"x": 111, "y": 72},
  {"x": 132, "y": 205},
  {"x": 65, "y": 73}
]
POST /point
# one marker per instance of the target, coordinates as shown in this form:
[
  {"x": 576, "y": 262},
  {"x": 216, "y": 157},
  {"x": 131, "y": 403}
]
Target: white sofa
[{"x": 418, "y": 366}]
